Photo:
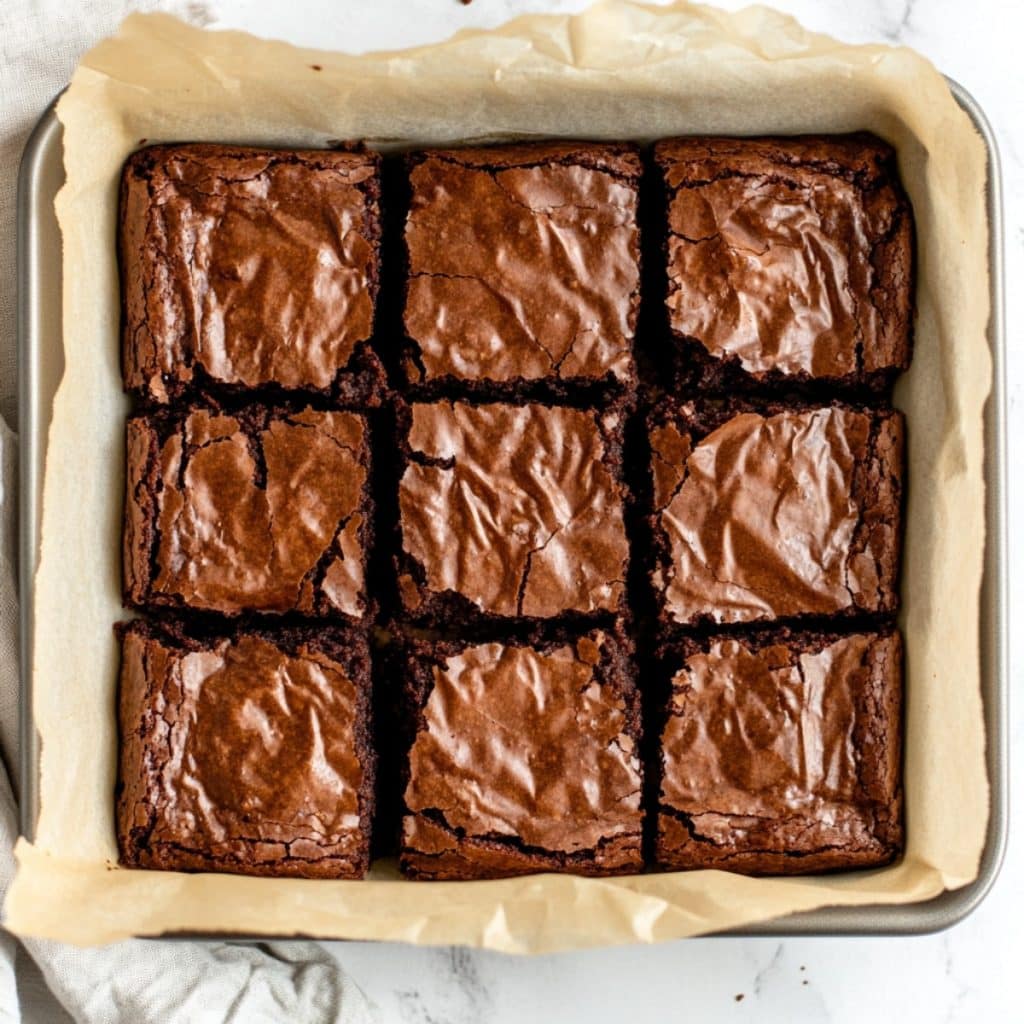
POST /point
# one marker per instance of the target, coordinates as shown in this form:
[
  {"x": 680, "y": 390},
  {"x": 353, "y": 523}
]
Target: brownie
[
  {"x": 247, "y": 753},
  {"x": 511, "y": 513},
  {"x": 781, "y": 755},
  {"x": 774, "y": 513},
  {"x": 789, "y": 260},
  {"x": 525, "y": 759},
  {"x": 523, "y": 267},
  {"x": 258, "y": 510},
  {"x": 246, "y": 268}
]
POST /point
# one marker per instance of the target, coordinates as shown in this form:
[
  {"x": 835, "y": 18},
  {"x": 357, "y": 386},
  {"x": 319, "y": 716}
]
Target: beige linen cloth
[{"x": 134, "y": 982}]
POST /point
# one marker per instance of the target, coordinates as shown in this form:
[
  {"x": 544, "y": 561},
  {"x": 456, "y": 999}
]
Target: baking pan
[{"x": 40, "y": 364}]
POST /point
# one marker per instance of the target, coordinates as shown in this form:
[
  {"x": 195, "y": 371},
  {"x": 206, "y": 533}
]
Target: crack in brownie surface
[
  {"x": 257, "y": 511},
  {"x": 246, "y": 267},
  {"x": 782, "y": 754},
  {"x": 516, "y": 509},
  {"x": 523, "y": 264}
]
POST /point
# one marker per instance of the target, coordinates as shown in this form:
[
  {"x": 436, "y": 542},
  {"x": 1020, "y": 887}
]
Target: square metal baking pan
[{"x": 41, "y": 363}]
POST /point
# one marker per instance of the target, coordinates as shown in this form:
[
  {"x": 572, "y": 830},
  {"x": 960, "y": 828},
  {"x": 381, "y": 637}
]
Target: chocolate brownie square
[
  {"x": 525, "y": 758},
  {"x": 774, "y": 513},
  {"x": 781, "y": 755},
  {"x": 247, "y": 268},
  {"x": 258, "y": 510},
  {"x": 789, "y": 260},
  {"x": 523, "y": 267},
  {"x": 247, "y": 753},
  {"x": 511, "y": 512}
]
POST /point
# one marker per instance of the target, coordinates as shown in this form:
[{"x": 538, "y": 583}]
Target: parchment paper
[{"x": 617, "y": 71}]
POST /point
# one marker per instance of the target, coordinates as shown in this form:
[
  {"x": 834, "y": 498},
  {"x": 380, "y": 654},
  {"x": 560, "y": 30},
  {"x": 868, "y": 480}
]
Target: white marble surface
[{"x": 966, "y": 974}]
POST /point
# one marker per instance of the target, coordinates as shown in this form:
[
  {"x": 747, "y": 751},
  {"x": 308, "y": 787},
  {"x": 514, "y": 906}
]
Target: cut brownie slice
[
  {"x": 775, "y": 514},
  {"x": 781, "y": 755},
  {"x": 248, "y": 754},
  {"x": 251, "y": 511},
  {"x": 242, "y": 268},
  {"x": 525, "y": 759},
  {"x": 789, "y": 260},
  {"x": 511, "y": 512},
  {"x": 523, "y": 267}
]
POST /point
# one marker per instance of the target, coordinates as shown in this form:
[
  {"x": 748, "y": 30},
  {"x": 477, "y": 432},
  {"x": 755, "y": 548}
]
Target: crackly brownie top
[
  {"x": 527, "y": 743},
  {"x": 517, "y": 508},
  {"x": 523, "y": 262},
  {"x": 256, "y": 511},
  {"x": 769, "y": 516},
  {"x": 240, "y": 741},
  {"x": 791, "y": 255},
  {"x": 804, "y": 730},
  {"x": 258, "y": 266}
]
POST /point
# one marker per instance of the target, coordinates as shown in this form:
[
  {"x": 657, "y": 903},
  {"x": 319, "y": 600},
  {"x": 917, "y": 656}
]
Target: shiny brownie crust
[
  {"x": 522, "y": 270},
  {"x": 511, "y": 514},
  {"x": 207, "y": 520}
]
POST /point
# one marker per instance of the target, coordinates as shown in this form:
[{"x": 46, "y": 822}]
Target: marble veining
[{"x": 902, "y": 25}]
